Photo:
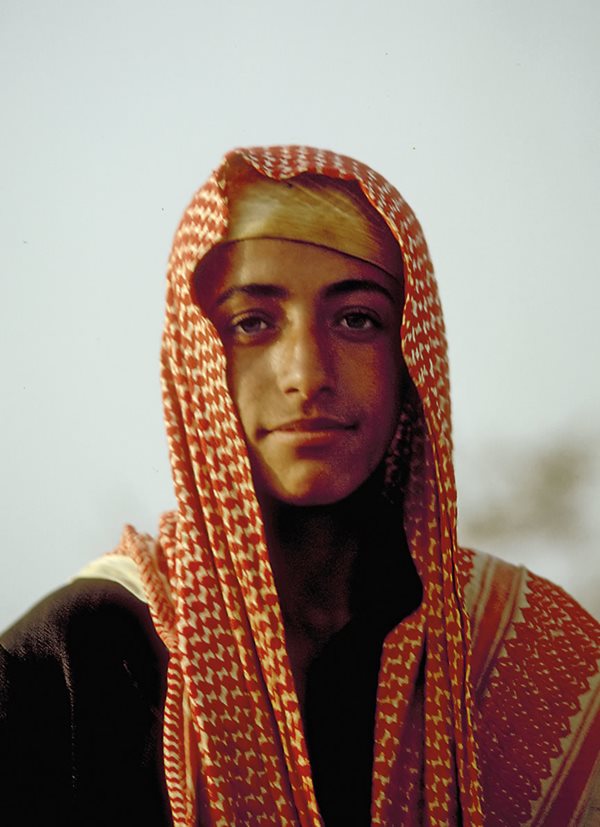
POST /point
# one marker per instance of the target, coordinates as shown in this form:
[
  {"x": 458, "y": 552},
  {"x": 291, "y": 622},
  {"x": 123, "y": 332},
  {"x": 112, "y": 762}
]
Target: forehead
[{"x": 298, "y": 268}]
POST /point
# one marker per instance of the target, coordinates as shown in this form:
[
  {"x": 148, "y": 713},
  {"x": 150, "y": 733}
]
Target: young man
[{"x": 305, "y": 643}]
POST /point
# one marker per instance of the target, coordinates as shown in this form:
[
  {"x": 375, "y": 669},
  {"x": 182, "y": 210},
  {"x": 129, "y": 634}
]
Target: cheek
[
  {"x": 391, "y": 386},
  {"x": 377, "y": 378},
  {"x": 246, "y": 380},
  {"x": 385, "y": 391}
]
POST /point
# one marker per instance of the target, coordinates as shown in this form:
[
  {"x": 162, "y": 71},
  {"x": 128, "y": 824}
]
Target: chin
[
  {"x": 310, "y": 499},
  {"x": 312, "y": 490}
]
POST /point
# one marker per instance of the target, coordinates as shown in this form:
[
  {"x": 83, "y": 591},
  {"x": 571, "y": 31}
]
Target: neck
[
  {"x": 327, "y": 561},
  {"x": 313, "y": 550}
]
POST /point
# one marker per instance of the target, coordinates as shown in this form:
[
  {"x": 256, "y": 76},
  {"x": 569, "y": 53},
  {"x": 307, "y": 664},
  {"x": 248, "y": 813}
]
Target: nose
[{"x": 306, "y": 364}]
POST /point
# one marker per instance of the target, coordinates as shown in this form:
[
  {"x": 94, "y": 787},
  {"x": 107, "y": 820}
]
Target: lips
[
  {"x": 318, "y": 424},
  {"x": 311, "y": 433}
]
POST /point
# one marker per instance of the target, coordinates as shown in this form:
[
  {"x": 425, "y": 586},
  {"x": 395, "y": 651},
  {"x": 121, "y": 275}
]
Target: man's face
[{"x": 314, "y": 365}]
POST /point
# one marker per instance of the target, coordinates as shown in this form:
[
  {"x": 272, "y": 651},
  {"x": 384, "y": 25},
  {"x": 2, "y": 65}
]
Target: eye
[
  {"x": 360, "y": 320},
  {"x": 250, "y": 325}
]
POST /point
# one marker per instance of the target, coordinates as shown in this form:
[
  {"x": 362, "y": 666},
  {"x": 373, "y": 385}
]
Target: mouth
[
  {"x": 312, "y": 425},
  {"x": 313, "y": 432}
]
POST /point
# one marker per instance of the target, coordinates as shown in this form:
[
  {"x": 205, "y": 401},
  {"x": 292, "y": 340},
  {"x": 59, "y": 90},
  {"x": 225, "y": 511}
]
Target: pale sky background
[{"x": 486, "y": 116}]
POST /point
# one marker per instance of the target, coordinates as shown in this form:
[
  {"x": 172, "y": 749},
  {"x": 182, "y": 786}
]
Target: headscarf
[
  {"x": 234, "y": 748},
  {"x": 330, "y": 213}
]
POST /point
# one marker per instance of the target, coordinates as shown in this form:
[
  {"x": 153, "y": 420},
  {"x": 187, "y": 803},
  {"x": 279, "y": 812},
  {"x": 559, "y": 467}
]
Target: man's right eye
[{"x": 250, "y": 325}]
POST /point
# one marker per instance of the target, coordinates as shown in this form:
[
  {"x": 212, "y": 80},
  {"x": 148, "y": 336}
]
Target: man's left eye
[{"x": 357, "y": 320}]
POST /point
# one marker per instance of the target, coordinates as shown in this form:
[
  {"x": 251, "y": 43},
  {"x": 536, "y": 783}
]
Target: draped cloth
[{"x": 234, "y": 748}]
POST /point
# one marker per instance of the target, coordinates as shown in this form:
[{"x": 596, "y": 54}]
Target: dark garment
[
  {"x": 341, "y": 688},
  {"x": 83, "y": 681},
  {"x": 82, "y": 685}
]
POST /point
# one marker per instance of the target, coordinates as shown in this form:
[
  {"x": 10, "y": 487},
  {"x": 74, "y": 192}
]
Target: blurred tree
[{"x": 536, "y": 505}]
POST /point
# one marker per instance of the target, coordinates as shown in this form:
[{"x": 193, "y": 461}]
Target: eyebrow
[
  {"x": 274, "y": 291},
  {"x": 258, "y": 291},
  {"x": 342, "y": 288}
]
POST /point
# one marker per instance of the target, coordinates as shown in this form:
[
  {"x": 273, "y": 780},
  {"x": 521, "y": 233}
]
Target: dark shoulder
[
  {"x": 82, "y": 689},
  {"x": 83, "y": 613},
  {"x": 90, "y": 637}
]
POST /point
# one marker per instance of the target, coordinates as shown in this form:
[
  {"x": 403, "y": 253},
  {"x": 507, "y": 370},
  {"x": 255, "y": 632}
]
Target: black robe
[
  {"x": 82, "y": 686},
  {"x": 82, "y": 692}
]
